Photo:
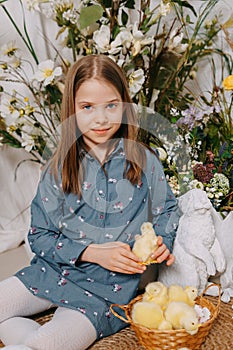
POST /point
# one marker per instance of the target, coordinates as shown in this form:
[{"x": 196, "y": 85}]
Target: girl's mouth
[{"x": 100, "y": 131}]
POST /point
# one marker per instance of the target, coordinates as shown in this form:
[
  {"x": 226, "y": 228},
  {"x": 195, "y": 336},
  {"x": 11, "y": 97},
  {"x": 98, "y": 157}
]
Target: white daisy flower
[
  {"x": 8, "y": 112},
  {"x": 9, "y": 49},
  {"x": 47, "y": 73}
]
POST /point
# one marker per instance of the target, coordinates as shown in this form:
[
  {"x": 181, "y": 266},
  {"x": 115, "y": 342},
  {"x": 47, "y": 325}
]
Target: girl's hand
[
  {"x": 163, "y": 253},
  {"x": 114, "y": 256}
]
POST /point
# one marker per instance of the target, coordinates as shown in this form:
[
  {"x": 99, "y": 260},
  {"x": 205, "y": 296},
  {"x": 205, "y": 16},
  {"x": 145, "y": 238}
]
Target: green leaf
[
  {"x": 130, "y": 4},
  {"x": 9, "y": 139},
  {"x": 124, "y": 17},
  {"x": 186, "y": 4},
  {"x": 106, "y": 3},
  {"x": 90, "y": 15}
]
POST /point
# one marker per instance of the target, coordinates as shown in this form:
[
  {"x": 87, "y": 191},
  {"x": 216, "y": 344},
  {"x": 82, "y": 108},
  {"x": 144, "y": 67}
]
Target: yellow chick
[
  {"x": 156, "y": 292},
  {"x": 165, "y": 325},
  {"x": 177, "y": 293},
  {"x": 182, "y": 315},
  {"x": 192, "y": 293},
  {"x": 147, "y": 314},
  {"x": 145, "y": 243}
]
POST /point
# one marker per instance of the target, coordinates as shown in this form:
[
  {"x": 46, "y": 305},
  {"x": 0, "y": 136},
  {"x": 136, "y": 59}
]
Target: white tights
[{"x": 68, "y": 329}]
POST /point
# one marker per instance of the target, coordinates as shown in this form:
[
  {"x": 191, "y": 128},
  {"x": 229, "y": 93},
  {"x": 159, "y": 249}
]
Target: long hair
[{"x": 68, "y": 156}]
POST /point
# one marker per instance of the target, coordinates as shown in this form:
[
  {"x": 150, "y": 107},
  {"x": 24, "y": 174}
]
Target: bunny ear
[{"x": 201, "y": 200}]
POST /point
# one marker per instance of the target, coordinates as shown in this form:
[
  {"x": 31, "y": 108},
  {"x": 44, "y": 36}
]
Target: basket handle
[
  {"x": 219, "y": 293},
  {"x": 122, "y": 307}
]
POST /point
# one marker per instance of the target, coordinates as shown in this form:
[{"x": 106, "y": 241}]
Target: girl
[{"x": 100, "y": 186}]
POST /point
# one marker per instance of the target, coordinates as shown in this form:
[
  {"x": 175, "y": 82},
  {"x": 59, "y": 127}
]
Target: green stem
[
  {"x": 72, "y": 44},
  {"x": 27, "y": 43},
  {"x": 27, "y": 36}
]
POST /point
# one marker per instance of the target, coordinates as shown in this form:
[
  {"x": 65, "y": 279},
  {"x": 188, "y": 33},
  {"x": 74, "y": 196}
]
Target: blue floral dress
[{"x": 110, "y": 209}]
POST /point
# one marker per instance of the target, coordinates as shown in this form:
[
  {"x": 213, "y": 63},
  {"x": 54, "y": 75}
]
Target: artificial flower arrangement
[{"x": 159, "y": 45}]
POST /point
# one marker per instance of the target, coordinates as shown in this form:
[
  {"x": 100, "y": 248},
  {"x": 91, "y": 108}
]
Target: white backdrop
[{"x": 16, "y": 195}]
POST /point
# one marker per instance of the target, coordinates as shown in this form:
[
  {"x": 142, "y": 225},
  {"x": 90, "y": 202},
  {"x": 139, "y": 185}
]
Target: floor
[{"x": 13, "y": 260}]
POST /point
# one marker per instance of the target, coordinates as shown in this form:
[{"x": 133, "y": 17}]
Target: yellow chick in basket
[
  {"x": 147, "y": 314},
  {"x": 187, "y": 295},
  {"x": 146, "y": 243},
  {"x": 192, "y": 293},
  {"x": 157, "y": 293},
  {"x": 182, "y": 315}
]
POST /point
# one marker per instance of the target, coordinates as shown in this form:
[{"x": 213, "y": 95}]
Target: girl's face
[{"x": 98, "y": 109}]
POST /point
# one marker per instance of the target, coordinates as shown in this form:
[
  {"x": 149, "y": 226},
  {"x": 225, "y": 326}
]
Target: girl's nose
[{"x": 101, "y": 116}]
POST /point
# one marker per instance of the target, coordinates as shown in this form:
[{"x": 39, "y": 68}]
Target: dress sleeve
[
  {"x": 47, "y": 237},
  {"x": 164, "y": 206}
]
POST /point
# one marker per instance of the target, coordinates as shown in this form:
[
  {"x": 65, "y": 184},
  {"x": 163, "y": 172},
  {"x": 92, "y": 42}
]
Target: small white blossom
[
  {"x": 9, "y": 49},
  {"x": 164, "y": 8},
  {"x": 47, "y": 73},
  {"x": 174, "y": 112},
  {"x": 139, "y": 40},
  {"x": 124, "y": 38},
  {"x": 136, "y": 80},
  {"x": 175, "y": 42},
  {"x": 102, "y": 39},
  {"x": 162, "y": 153},
  {"x": 175, "y": 187},
  {"x": 70, "y": 16},
  {"x": 196, "y": 184},
  {"x": 27, "y": 141},
  {"x": 8, "y": 112}
]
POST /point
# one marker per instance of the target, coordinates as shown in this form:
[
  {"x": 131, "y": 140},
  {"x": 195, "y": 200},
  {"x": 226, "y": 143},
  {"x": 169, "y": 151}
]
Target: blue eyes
[
  {"x": 87, "y": 108},
  {"x": 108, "y": 106},
  {"x": 111, "y": 105}
]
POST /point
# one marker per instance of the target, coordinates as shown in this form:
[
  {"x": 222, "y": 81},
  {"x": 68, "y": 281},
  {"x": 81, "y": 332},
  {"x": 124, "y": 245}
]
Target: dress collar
[{"x": 118, "y": 149}]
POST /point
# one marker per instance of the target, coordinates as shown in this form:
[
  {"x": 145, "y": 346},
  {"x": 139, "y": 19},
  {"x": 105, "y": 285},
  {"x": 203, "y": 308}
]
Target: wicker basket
[{"x": 152, "y": 339}]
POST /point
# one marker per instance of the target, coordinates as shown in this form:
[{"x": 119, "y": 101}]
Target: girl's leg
[
  {"x": 16, "y": 300},
  {"x": 68, "y": 329}
]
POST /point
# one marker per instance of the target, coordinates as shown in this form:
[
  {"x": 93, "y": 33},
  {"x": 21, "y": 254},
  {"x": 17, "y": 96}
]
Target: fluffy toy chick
[
  {"x": 165, "y": 325},
  {"x": 182, "y": 315},
  {"x": 177, "y": 293},
  {"x": 146, "y": 243},
  {"x": 147, "y": 314},
  {"x": 192, "y": 293},
  {"x": 156, "y": 292}
]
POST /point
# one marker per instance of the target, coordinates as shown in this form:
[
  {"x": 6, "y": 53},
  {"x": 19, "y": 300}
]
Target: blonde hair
[{"x": 68, "y": 155}]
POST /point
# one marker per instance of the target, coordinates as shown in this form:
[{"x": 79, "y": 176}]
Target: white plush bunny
[
  {"x": 196, "y": 248},
  {"x": 224, "y": 234}
]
